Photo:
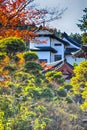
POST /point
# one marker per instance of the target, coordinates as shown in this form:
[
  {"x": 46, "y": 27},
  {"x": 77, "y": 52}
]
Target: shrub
[
  {"x": 69, "y": 100},
  {"x": 61, "y": 92},
  {"x": 30, "y": 56},
  {"x": 10, "y": 68},
  {"x": 47, "y": 93},
  {"x": 68, "y": 87},
  {"x": 16, "y": 59},
  {"x": 2, "y": 56},
  {"x": 12, "y": 45},
  {"x": 32, "y": 66}
]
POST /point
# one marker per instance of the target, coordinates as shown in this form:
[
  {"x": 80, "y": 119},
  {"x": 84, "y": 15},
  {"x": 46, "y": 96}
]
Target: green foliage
[
  {"x": 34, "y": 92},
  {"x": 83, "y": 26},
  {"x": 12, "y": 46},
  {"x": 10, "y": 68},
  {"x": 55, "y": 77},
  {"x": 83, "y": 21},
  {"x": 30, "y": 56},
  {"x": 61, "y": 92},
  {"x": 76, "y": 37},
  {"x": 84, "y": 38},
  {"x": 29, "y": 100},
  {"x": 32, "y": 67},
  {"x": 69, "y": 100},
  {"x": 75, "y": 64},
  {"x": 40, "y": 109},
  {"x": 2, "y": 55},
  {"x": 47, "y": 93},
  {"x": 23, "y": 76},
  {"x": 16, "y": 59},
  {"x": 68, "y": 87}
]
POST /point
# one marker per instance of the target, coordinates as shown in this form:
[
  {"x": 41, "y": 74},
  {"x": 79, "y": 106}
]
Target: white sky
[{"x": 70, "y": 17}]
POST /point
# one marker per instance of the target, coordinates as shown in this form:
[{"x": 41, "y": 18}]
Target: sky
[{"x": 70, "y": 17}]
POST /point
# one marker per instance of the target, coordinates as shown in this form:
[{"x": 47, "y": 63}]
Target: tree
[
  {"x": 83, "y": 26},
  {"x": 30, "y": 56},
  {"x": 13, "y": 14},
  {"x": 76, "y": 37},
  {"x": 79, "y": 83},
  {"x": 32, "y": 67},
  {"x": 12, "y": 46},
  {"x": 84, "y": 38},
  {"x": 83, "y": 21},
  {"x": 26, "y": 104},
  {"x": 27, "y": 99},
  {"x": 56, "y": 78},
  {"x": 20, "y": 18}
]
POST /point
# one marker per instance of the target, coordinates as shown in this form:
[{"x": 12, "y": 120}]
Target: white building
[
  {"x": 50, "y": 48},
  {"x": 50, "y": 51}
]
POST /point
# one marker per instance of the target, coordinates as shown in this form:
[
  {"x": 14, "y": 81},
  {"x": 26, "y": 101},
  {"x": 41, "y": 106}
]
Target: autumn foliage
[{"x": 18, "y": 18}]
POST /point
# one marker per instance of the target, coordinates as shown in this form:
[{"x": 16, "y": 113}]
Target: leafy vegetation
[
  {"x": 12, "y": 46},
  {"x": 30, "y": 56},
  {"x": 83, "y": 26},
  {"x": 30, "y": 100},
  {"x": 79, "y": 83}
]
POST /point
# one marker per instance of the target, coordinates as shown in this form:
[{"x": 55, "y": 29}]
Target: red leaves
[{"x": 15, "y": 15}]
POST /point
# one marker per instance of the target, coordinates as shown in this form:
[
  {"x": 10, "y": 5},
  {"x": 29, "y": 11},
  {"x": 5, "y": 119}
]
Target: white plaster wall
[
  {"x": 60, "y": 49},
  {"x": 50, "y": 41},
  {"x": 44, "y": 55},
  {"x": 73, "y": 60}
]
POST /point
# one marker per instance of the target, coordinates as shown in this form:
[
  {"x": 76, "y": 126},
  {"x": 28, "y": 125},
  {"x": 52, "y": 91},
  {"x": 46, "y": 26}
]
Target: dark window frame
[
  {"x": 57, "y": 44},
  {"x": 57, "y": 57}
]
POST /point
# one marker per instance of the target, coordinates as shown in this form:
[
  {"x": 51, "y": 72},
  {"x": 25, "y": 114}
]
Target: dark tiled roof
[
  {"x": 62, "y": 63},
  {"x": 57, "y": 65},
  {"x": 44, "y": 49},
  {"x": 70, "y": 65},
  {"x": 71, "y": 40},
  {"x": 69, "y": 51},
  {"x": 82, "y": 52}
]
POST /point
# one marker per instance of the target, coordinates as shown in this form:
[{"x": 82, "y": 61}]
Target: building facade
[{"x": 50, "y": 48}]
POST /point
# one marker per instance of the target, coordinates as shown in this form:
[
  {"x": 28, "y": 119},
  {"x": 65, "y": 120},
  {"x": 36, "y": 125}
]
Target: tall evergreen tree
[{"x": 83, "y": 26}]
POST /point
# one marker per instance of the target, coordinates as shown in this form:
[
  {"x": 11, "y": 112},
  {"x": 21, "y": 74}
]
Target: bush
[
  {"x": 2, "y": 56},
  {"x": 16, "y": 59},
  {"x": 12, "y": 45},
  {"x": 32, "y": 66},
  {"x": 61, "y": 92},
  {"x": 30, "y": 56},
  {"x": 10, "y": 68},
  {"x": 68, "y": 87},
  {"x": 69, "y": 100},
  {"x": 47, "y": 93}
]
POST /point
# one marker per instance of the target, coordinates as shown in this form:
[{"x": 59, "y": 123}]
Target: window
[
  {"x": 57, "y": 44},
  {"x": 57, "y": 57},
  {"x": 43, "y": 60}
]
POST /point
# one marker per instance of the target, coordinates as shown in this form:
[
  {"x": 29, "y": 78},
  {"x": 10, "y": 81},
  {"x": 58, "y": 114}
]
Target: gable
[{"x": 65, "y": 69}]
